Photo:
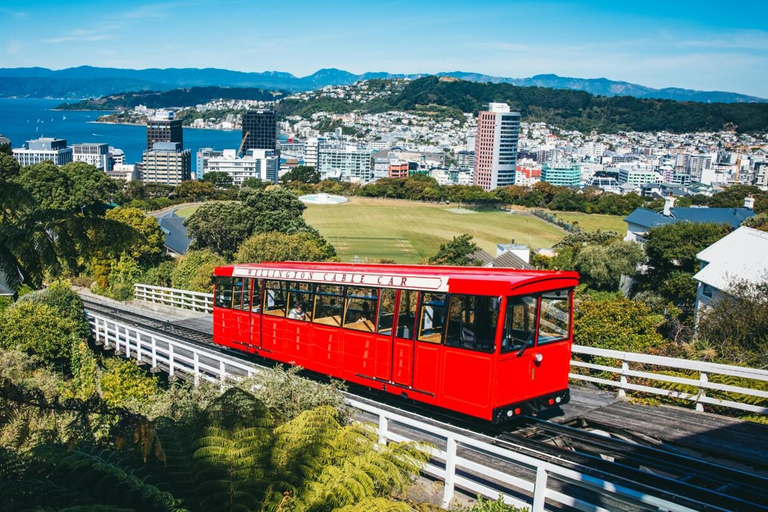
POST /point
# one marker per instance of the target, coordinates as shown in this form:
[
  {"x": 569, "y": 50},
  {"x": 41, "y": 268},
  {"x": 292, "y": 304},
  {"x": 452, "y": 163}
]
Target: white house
[{"x": 740, "y": 256}]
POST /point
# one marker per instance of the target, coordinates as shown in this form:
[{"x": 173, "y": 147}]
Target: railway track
[{"x": 693, "y": 482}]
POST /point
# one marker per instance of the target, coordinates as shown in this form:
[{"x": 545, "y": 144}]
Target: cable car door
[{"x": 402, "y": 343}]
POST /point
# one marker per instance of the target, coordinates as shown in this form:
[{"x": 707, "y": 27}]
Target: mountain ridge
[{"x": 44, "y": 82}]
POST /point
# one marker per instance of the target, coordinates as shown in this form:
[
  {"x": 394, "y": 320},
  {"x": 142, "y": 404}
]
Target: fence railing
[
  {"x": 524, "y": 482},
  {"x": 196, "y": 301},
  {"x": 646, "y": 373},
  {"x": 632, "y": 372}
]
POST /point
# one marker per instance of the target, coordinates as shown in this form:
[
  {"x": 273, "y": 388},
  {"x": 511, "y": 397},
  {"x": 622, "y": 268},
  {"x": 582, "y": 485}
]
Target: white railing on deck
[
  {"x": 643, "y": 380},
  {"x": 647, "y": 381},
  {"x": 196, "y": 301},
  {"x": 532, "y": 483}
]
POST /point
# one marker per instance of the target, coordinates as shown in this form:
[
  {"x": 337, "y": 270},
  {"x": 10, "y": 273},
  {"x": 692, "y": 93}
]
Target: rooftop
[{"x": 741, "y": 255}]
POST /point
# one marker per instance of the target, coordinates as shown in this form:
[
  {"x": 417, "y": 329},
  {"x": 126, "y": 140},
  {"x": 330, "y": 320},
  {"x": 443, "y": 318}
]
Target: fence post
[
  {"x": 703, "y": 379},
  {"x": 196, "y": 359},
  {"x": 170, "y": 360},
  {"x": 623, "y": 380},
  {"x": 540, "y": 490},
  {"x": 154, "y": 352},
  {"x": 383, "y": 425},
  {"x": 450, "y": 471},
  {"x": 223, "y": 374},
  {"x": 138, "y": 347}
]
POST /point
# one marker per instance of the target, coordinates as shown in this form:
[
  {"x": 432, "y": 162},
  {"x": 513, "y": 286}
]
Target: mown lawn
[
  {"x": 408, "y": 231},
  {"x": 593, "y": 222},
  {"x": 186, "y": 211}
]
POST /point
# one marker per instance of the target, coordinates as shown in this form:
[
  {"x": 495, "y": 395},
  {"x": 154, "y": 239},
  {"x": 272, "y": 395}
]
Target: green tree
[
  {"x": 672, "y": 261},
  {"x": 458, "y": 252},
  {"x": 276, "y": 209},
  {"x": 735, "y": 325},
  {"x": 123, "y": 381},
  {"x": 303, "y": 174},
  {"x": 147, "y": 245},
  {"x": 219, "y": 179},
  {"x": 601, "y": 266},
  {"x": 40, "y": 330},
  {"x": 195, "y": 271},
  {"x": 220, "y": 227},
  {"x": 277, "y": 246},
  {"x": 616, "y": 323},
  {"x": 759, "y": 221},
  {"x": 191, "y": 190}
]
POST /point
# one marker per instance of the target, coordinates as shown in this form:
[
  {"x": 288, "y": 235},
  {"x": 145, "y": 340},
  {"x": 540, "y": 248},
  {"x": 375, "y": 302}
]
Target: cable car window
[
  {"x": 275, "y": 295},
  {"x": 329, "y": 303},
  {"x": 519, "y": 324},
  {"x": 300, "y": 300},
  {"x": 406, "y": 315},
  {"x": 554, "y": 321},
  {"x": 241, "y": 295},
  {"x": 472, "y": 322},
  {"x": 224, "y": 294},
  {"x": 256, "y": 284},
  {"x": 432, "y": 317},
  {"x": 386, "y": 311},
  {"x": 361, "y": 308}
]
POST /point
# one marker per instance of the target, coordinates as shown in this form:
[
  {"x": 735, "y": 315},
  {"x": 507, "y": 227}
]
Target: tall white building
[
  {"x": 348, "y": 163},
  {"x": 40, "y": 150},
  {"x": 166, "y": 163},
  {"x": 498, "y": 130},
  {"x": 93, "y": 153},
  {"x": 311, "y": 149},
  {"x": 256, "y": 163}
]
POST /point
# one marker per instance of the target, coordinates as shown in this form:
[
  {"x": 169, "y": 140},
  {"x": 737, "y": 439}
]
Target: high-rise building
[
  {"x": 260, "y": 129},
  {"x": 347, "y": 163},
  {"x": 563, "y": 174},
  {"x": 203, "y": 157},
  {"x": 164, "y": 128},
  {"x": 93, "y": 153},
  {"x": 166, "y": 163},
  {"x": 40, "y": 150},
  {"x": 465, "y": 160},
  {"x": 311, "y": 148},
  {"x": 496, "y": 146},
  {"x": 256, "y": 163}
]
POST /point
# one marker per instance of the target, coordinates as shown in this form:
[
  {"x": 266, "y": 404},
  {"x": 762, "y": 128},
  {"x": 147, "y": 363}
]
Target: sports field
[
  {"x": 593, "y": 221},
  {"x": 407, "y": 231}
]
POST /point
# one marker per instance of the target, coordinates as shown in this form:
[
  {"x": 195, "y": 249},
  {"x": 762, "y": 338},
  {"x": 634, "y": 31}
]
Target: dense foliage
[
  {"x": 173, "y": 98},
  {"x": 457, "y": 252},
  {"x": 576, "y": 110},
  {"x": 616, "y": 323},
  {"x": 276, "y": 246}
]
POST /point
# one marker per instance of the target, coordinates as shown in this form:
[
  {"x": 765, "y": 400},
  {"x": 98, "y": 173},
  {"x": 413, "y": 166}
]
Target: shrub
[
  {"x": 123, "y": 381},
  {"x": 39, "y": 329},
  {"x": 195, "y": 271}
]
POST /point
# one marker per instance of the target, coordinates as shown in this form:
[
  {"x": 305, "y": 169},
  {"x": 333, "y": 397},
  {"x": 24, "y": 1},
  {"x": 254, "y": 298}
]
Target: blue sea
[{"x": 25, "y": 119}]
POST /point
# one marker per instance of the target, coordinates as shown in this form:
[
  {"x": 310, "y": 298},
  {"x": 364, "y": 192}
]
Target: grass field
[
  {"x": 408, "y": 231},
  {"x": 186, "y": 211},
  {"x": 593, "y": 222}
]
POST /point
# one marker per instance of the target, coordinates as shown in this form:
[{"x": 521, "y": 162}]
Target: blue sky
[{"x": 700, "y": 45}]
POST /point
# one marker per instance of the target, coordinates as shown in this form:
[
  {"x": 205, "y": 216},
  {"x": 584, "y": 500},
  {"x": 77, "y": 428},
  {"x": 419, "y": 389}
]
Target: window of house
[
  {"x": 329, "y": 305},
  {"x": 554, "y": 319},
  {"x": 275, "y": 298},
  {"x": 519, "y": 323},
  {"x": 472, "y": 322},
  {"x": 432, "y": 317},
  {"x": 361, "y": 308}
]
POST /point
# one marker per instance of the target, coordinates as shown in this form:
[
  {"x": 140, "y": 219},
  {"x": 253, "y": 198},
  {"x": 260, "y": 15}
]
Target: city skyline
[{"x": 690, "y": 45}]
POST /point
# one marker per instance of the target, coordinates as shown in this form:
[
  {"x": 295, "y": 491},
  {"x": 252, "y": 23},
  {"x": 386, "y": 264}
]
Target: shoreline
[{"x": 144, "y": 124}]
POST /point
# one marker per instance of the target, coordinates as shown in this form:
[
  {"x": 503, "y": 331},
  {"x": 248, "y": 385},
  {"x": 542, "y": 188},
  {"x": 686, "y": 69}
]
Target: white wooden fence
[
  {"x": 526, "y": 481},
  {"x": 196, "y": 301},
  {"x": 643, "y": 380},
  {"x": 653, "y": 381}
]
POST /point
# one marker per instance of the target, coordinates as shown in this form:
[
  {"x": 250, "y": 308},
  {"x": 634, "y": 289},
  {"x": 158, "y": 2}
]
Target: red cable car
[{"x": 488, "y": 342}]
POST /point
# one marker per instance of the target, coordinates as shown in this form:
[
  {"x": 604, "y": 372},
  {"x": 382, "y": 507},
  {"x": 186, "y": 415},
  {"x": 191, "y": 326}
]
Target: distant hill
[
  {"x": 173, "y": 98},
  {"x": 89, "y": 81}
]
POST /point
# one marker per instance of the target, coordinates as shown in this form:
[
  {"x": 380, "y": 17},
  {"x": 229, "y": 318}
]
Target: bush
[
  {"x": 277, "y": 246},
  {"x": 39, "y": 329},
  {"x": 123, "y": 381},
  {"x": 60, "y": 296},
  {"x": 618, "y": 324},
  {"x": 195, "y": 271}
]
